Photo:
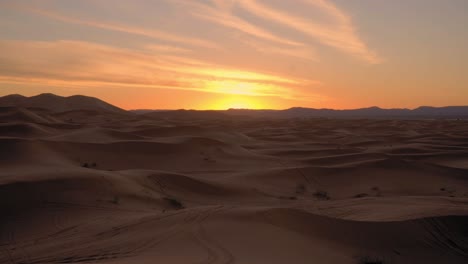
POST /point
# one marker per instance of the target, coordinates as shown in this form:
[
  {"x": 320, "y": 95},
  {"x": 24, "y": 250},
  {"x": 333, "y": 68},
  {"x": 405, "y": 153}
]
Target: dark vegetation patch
[
  {"x": 376, "y": 190},
  {"x": 174, "y": 203},
  {"x": 301, "y": 189},
  {"x": 371, "y": 260},
  {"x": 288, "y": 197},
  {"x": 321, "y": 195},
  {"x": 361, "y": 195},
  {"x": 89, "y": 165},
  {"x": 115, "y": 200}
]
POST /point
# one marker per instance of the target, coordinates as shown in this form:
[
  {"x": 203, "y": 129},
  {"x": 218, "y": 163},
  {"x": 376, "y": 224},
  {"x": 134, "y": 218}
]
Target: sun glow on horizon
[
  {"x": 236, "y": 102},
  {"x": 238, "y": 94},
  {"x": 256, "y": 54},
  {"x": 234, "y": 87}
]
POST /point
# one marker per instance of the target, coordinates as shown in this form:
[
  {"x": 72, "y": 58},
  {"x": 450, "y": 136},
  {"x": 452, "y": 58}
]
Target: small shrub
[
  {"x": 116, "y": 200},
  {"x": 377, "y": 191},
  {"x": 209, "y": 159},
  {"x": 300, "y": 188},
  {"x": 288, "y": 197},
  {"x": 361, "y": 195},
  {"x": 89, "y": 165},
  {"x": 321, "y": 195},
  {"x": 371, "y": 260},
  {"x": 174, "y": 203}
]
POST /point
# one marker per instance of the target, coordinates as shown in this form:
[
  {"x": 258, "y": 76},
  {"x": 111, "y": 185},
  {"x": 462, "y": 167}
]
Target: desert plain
[{"x": 96, "y": 186}]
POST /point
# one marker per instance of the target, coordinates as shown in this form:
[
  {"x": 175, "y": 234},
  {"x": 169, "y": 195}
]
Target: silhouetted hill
[
  {"x": 371, "y": 112},
  {"x": 301, "y": 112},
  {"x": 57, "y": 103}
]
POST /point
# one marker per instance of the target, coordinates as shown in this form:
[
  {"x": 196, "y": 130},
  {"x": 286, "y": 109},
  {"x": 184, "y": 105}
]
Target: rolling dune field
[{"x": 114, "y": 187}]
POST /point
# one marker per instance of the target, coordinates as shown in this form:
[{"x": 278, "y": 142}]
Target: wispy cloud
[
  {"x": 224, "y": 5},
  {"x": 223, "y": 16},
  {"x": 166, "y": 49},
  {"x": 339, "y": 34},
  {"x": 83, "y": 63},
  {"x": 177, "y": 58},
  {"x": 303, "y": 52},
  {"x": 146, "y": 32},
  {"x": 258, "y": 38}
]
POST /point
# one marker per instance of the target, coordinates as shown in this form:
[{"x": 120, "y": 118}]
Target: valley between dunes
[{"x": 100, "y": 187}]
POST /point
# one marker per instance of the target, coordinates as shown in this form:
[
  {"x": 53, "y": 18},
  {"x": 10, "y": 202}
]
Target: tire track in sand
[{"x": 217, "y": 254}]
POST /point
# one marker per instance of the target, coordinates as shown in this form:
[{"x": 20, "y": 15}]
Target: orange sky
[{"x": 218, "y": 54}]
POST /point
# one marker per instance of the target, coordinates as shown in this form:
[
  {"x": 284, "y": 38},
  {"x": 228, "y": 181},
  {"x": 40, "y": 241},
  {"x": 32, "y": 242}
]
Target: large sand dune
[{"x": 95, "y": 186}]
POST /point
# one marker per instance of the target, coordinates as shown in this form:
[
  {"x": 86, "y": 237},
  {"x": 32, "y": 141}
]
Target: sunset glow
[
  {"x": 234, "y": 131},
  {"x": 215, "y": 54},
  {"x": 236, "y": 102}
]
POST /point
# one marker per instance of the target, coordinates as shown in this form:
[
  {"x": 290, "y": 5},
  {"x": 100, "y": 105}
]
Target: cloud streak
[
  {"x": 258, "y": 38},
  {"x": 340, "y": 35},
  {"x": 145, "y": 32},
  {"x": 243, "y": 37},
  {"x": 224, "y": 17},
  {"x": 83, "y": 63}
]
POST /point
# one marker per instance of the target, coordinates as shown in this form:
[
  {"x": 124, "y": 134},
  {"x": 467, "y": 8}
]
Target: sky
[{"x": 220, "y": 54}]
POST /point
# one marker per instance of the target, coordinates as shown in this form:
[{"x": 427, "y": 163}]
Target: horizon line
[{"x": 251, "y": 109}]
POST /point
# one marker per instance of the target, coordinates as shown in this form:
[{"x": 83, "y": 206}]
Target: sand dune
[
  {"x": 14, "y": 114},
  {"x": 96, "y": 186}
]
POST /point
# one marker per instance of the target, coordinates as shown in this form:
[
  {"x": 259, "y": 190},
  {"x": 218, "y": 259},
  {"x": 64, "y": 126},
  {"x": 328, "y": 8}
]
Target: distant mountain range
[
  {"x": 300, "y": 112},
  {"x": 371, "y": 112},
  {"x": 57, "y": 104}
]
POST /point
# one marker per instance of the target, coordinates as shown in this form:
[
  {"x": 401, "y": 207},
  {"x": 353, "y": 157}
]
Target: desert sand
[{"x": 96, "y": 186}]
